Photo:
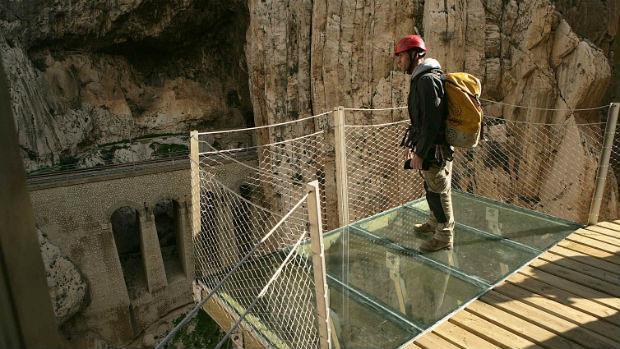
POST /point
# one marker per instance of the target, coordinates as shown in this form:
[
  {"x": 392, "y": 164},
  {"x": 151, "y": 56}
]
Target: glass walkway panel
[{"x": 384, "y": 292}]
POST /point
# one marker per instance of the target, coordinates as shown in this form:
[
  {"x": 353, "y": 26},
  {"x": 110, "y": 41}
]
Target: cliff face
[
  {"x": 599, "y": 22},
  {"x": 67, "y": 286},
  {"x": 529, "y": 55},
  {"x": 91, "y": 77},
  {"x": 306, "y": 57},
  {"x": 86, "y": 74}
]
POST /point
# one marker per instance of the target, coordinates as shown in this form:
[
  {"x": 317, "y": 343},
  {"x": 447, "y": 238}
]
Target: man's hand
[{"x": 416, "y": 160}]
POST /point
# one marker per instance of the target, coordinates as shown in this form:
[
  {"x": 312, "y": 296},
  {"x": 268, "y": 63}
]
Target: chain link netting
[
  {"x": 549, "y": 168},
  {"x": 377, "y": 180},
  {"x": 273, "y": 288},
  {"x": 272, "y": 176},
  {"x": 246, "y": 190},
  {"x": 252, "y": 201}
]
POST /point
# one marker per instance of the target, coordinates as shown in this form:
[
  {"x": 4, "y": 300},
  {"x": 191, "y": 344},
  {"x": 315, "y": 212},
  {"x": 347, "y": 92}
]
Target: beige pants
[{"x": 438, "y": 187}]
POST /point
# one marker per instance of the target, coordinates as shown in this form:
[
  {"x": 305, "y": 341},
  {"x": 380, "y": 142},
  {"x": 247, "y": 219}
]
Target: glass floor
[{"x": 384, "y": 292}]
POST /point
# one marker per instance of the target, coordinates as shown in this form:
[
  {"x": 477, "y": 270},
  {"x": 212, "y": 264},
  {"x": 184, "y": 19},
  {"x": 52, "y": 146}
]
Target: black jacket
[{"x": 428, "y": 110}]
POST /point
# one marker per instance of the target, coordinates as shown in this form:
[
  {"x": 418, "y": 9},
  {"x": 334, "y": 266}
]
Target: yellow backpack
[{"x": 464, "y": 120}]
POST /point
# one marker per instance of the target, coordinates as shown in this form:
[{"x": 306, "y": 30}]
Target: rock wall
[
  {"x": 90, "y": 78},
  {"x": 91, "y": 74},
  {"x": 308, "y": 57},
  {"x": 346, "y": 49},
  {"x": 526, "y": 53},
  {"x": 68, "y": 288},
  {"x": 529, "y": 55},
  {"x": 599, "y": 22}
]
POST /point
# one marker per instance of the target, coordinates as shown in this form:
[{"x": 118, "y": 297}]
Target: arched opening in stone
[
  {"x": 167, "y": 222},
  {"x": 126, "y": 230}
]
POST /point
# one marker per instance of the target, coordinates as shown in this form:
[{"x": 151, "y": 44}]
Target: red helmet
[{"x": 409, "y": 42}]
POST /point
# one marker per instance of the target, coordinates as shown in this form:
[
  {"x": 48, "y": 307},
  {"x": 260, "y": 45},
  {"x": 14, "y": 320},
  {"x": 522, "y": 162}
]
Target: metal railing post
[
  {"x": 318, "y": 263},
  {"x": 342, "y": 188},
  {"x": 341, "y": 167},
  {"x": 194, "y": 158},
  {"x": 603, "y": 164}
]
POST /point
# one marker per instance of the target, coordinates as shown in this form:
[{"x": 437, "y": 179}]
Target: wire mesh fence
[
  {"x": 252, "y": 197},
  {"x": 550, "y": 168},
  {"x": 546, "y": 167},
  {"x": 377, "y": 180},
  {"x": 233, "y": 227},
  {"x": 271, "y": 176},
  {"x": 252, "y": 201}
]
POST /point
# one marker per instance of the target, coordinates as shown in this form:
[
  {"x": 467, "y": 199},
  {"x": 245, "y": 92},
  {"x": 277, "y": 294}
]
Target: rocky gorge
[
  {"x": 90, "y": 79},
  {"x": 97, "y": 82}
]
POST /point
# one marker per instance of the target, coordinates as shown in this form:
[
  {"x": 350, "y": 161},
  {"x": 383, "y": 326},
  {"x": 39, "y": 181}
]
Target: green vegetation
[
  {"x": 67, "y": 161},
  {"x": 162, "y": 135},
  {"x": 147, "y": 136},
  {"x": 169, "y": 149},
  {"x": 200, "y": 333},
  {"x": 107, "y": 151},
  {"x": 107, "y": 154}
]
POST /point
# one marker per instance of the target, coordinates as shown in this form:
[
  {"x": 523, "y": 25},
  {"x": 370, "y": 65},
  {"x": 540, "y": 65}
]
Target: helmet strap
[{"x": 413, "y": 58}]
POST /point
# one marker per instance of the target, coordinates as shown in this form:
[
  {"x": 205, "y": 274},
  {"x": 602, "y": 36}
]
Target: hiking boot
[
  {"x": 424, "y": 231},
  {"x": 424, "y": 228},
  {"x": 433, "y": 245}
]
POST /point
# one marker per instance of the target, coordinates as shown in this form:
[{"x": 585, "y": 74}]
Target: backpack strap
[
  {"x": 473, "y": 96},
  {"x": 435, "y": 71}
]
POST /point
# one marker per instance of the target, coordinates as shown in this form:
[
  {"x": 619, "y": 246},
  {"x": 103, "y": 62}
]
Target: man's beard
[
  {"x": 411, "y": 68},
  {"x": 413, "y": 62}
]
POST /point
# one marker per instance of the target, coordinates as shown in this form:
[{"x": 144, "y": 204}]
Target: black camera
[{"x": 407, "y": 165}]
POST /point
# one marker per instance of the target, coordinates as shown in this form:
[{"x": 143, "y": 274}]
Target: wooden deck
[{"x": 567, "y": 298}]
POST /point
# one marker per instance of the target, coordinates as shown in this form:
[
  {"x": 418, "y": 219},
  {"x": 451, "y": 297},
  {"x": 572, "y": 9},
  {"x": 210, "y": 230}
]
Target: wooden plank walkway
[{"x": 569, "y": 297}]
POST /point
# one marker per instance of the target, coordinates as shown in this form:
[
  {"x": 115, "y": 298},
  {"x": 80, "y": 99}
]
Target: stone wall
[
  {"x": 76, "y": 219},
  {"x": 99, "y": 300}
]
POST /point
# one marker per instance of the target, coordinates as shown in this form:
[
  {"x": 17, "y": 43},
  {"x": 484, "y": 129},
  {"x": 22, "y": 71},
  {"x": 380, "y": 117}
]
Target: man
[{"x": 428, "y": 150}]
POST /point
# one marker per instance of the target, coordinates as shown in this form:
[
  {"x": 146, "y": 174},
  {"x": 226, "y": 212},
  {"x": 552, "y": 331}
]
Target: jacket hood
[{"x": 428, "y": 64}]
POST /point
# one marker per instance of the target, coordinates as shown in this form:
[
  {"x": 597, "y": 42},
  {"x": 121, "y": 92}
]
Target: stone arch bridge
[{"x": 127, "y": 229}]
